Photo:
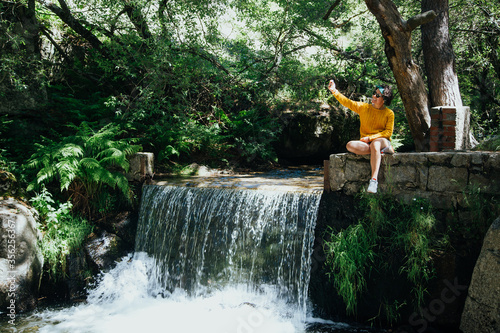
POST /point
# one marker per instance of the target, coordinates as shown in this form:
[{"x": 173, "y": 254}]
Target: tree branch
[
  {"x": 209, "y": 57},
  {"x": 340, "y": 25},
  {"x": 421, "y": 19},
  {"x": 161, "y": 8},
  {"x": 138, "y": 20},
  {"x": 115, "y": 20},
  {"x": 475, "y": 31},
  {"x": 330, "y": 10},
  {"x": 31, "y": 8},
  {"x": 64, "y": 5},
  {"x": 65, "y": 15},
  {"x": 46, "y": 33},
  {"x": 328, "y": 45}
]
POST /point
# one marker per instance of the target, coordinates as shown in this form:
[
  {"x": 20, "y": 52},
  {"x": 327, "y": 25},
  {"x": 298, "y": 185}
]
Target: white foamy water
[
  {"x": 124, "y": 301},
  {"x": 208, "y": 260}
]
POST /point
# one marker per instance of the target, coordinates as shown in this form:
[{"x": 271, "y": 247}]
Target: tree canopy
[{"x": 210, "y": 78}]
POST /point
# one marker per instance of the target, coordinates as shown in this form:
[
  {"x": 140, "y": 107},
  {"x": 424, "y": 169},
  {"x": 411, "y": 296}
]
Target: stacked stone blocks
[{"x": 441, "y": 177}]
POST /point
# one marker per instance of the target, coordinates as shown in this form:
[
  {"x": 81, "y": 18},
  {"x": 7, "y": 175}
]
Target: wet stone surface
[{"x": 296, "y": 179}]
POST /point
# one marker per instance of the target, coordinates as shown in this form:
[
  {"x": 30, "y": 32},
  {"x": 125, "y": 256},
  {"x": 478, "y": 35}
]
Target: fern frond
[
  {"x": 113, "y": 155},
  {"x": 123, "y": 185},
  {"x": 46, "y": 174},
  {"x": 101, "y": 175},
  {"x": 86, "y": 164},
  {"x": 68, "y": 170},
  {"x": 103, "y": 138},
  {"x": 89, "y": 164},
  {"x": 83, "y": 130},
  {"x": 35, "y": 163},
  {"x": 71, "y": 150},
  {"x": 132, "y": 149},
  {"x": 43, "y": 156}
]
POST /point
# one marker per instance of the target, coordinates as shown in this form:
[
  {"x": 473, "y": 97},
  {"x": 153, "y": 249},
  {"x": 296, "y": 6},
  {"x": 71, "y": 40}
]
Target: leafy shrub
[
  {"x": 492, "y": 144},
  {"x": 89, "y": 166},
  {"x": 254, "y": 135},
  {"x": 182, "y": 138},
  {"x": 62, "y": 232},
  {"x": 74, "y": 107},
  {"x": 4, "y": 162},
  {"x": 477, "y": 211}
]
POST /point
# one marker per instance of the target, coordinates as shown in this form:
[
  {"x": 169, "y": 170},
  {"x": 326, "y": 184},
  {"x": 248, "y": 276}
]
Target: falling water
[
  {"x": 209, "y": 239},
  {"x": 212, "y": 260}
]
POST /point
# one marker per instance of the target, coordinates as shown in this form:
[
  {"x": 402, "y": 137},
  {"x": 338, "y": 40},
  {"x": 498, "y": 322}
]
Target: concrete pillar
[{"x": 141, "y": 167}]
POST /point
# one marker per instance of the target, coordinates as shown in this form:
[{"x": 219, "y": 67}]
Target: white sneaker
[
  {"x": 372, "y": 187},
  {"x": 387, "y": 150}
]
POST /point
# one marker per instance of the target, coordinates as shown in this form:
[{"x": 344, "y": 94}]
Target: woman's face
[{"x": 377, "y": 100}]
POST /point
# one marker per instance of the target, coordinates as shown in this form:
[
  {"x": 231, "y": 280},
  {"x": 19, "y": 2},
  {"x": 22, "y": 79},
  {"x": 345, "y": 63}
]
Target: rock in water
[{"x": 104, "y": 249}]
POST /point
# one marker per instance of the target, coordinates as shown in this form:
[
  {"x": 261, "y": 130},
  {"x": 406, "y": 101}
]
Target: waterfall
[
  {"x": 208, "y": 239},
  {"x": 214, "y": 260}
]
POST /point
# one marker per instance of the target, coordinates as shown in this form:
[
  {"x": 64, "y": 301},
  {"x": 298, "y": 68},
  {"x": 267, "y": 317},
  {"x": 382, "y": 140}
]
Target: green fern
[{"x": 86, "y": 164}]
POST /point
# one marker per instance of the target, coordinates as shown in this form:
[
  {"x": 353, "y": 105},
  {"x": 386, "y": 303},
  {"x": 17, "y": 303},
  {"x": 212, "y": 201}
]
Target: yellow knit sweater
[{"x": 374, "y": 123}]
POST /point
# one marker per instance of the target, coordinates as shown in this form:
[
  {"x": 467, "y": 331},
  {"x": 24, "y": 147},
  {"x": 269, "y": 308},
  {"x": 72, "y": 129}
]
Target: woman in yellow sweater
[{"x": 376, "y": 126}]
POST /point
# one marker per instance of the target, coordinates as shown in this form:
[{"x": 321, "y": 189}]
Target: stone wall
[
  {"x": 311, "y": 136},
  {"x": 444, "y": 178},
  {"x": 441, "y": 177}
]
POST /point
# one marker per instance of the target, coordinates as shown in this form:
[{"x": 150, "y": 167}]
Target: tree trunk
[
  {"x": 138, "y": 20},
  {"x": 411, "y": 86},
  {"x": 439, "y": 61},
  {"x": 439, "y": 58},
  {"x": 67, "y": 17}
]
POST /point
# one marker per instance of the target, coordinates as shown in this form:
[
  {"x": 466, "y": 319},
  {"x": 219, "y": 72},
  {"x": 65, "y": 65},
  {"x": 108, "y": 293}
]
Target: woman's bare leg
[
  {"x": 375, "y": 156},
  {"x": 358, "y": 147}
]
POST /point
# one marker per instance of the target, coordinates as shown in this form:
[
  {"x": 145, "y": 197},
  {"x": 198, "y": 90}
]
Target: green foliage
[
  {"x": 400, "y": 239},
  {"x": 478, "y": 210},
  {"x": 67, "y": 106},
  {"x": 350, "y": 256},
  {"x": 62, "y": 233},
  {"x": 10, "y": 173},
  {"x": 393, "y": 239},
  {"x": 173, "y": 86},
  {"x": 491, "y": 144},
  {"x": 88, "y": 165},
  {"x": 254, "y": 135},
  {"x": 185, "y": 138},
  {"x": 205, "y": 81},
  {"x": 476, "y": 40},
  {"x": 4, "y": 162}
]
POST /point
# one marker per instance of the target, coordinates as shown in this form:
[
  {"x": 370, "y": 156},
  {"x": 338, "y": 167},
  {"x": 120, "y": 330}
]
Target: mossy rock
[{"x": 8, "y": 184}]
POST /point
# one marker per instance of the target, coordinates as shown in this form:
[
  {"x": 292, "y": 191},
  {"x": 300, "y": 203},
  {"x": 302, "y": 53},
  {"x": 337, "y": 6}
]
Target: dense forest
[
  {"x": 207, "y": 80},
  {"x": 85, "y": 84}
]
